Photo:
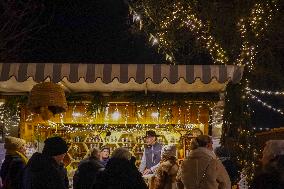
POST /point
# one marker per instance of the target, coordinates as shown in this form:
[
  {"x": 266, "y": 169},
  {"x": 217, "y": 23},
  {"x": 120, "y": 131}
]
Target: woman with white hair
[
  {"x": 165, "y": 177},
  {"x": 121, "y": 172},
  {"x": 271, "y": 175}
]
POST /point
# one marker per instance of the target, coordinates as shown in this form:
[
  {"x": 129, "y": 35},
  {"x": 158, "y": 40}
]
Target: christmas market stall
[{"x": 112, "y": 104}]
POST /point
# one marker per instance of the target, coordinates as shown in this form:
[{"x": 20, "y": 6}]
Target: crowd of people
[{"x": 202, "y": 169}]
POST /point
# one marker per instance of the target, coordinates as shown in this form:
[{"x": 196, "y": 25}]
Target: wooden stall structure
[
  {"x": 121, "y": 122},
  {"x": 273, "y": 134}
]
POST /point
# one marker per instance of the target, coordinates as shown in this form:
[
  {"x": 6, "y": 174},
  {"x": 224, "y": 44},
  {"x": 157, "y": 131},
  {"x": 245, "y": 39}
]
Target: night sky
[
  {"x": 99, "y": 31},
  {"x": 94, "y": 31}
]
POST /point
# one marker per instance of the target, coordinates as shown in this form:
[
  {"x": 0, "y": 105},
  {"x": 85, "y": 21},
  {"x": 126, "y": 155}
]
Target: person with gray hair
[
  {"x": 88, "y": 170},
  {"x": 202, "y": 169},
  {"x": 121, "y": 172},
  {"x": 121, "y": 153},
  {"x": 271, "y": 175}
]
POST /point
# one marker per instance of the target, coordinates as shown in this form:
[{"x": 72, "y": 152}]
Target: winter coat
[
  {"x": 104, "y": 161},
  {"x": 43, "y": 172},
  {"x": 12, "y": 170},
  {"x": 165, "y": 177},
  {"x": 271, "y": 176},
  {"x": 202, "y": 170},
  {"x": 86, "y": 174},
  {"x": 120, "y": 174}
]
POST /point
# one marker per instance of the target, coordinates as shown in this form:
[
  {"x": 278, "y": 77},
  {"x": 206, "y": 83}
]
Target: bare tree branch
[{"x": 18, "y": 21}]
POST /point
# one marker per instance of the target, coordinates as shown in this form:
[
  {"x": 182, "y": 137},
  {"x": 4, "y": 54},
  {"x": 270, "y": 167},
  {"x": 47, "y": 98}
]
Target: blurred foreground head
[
  {"x": 121, "y": 153},
  {"x": 272, "y": 149}
]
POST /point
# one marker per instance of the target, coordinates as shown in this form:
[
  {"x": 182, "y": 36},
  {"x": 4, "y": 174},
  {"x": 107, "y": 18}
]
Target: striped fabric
[{"x": 123, "y": 72}]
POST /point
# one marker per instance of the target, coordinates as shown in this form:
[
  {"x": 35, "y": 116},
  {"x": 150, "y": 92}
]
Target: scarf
[{"x": 23, "y": 157}]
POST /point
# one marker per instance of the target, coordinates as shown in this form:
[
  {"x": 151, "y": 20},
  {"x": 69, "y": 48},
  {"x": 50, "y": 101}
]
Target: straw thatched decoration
[{"x": 47, "y": 99}]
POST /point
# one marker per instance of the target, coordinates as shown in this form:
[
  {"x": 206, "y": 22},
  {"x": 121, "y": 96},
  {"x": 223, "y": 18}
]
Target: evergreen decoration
[
  {"x": 10, "y": 113},
  {"x": 237, "y": 134},
  {"x": 98, "y": 104},
  {"x": 12, "y": 103}
]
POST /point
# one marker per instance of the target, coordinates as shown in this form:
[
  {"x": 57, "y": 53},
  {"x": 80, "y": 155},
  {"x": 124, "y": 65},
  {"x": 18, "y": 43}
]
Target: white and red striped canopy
[{"x": 20, "y": 77}]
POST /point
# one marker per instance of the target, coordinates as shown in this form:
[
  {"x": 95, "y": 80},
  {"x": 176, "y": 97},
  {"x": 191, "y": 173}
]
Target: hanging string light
[
  {"x": 187, "y": 18},
  {"x": 264, "y": 92},
  {"x": 9, "y": 119},
  {"x": 265, "y": 104}
]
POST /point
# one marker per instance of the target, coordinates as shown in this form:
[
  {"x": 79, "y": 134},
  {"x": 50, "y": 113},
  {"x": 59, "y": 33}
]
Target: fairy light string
[
  {"x": 265, "y": 92},
  {"x": 185, "y": 16}
]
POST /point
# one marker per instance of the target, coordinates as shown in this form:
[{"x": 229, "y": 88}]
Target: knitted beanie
[
  {"x": 54, "y": 146},
  {"x": 13, "y": 143}
]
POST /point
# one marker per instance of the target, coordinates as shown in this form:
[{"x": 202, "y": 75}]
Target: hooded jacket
[
  {"x": 202, "y": 170},
  {"x": 43, "y": 172}
]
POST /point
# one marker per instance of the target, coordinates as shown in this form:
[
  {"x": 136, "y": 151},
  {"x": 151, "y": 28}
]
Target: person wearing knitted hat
[
  {"x": 46, "y": 170},
  {"x": 165, "y": 177},
  {"x": 271, "y": 173},
  {"x": 14, "y": 163}
]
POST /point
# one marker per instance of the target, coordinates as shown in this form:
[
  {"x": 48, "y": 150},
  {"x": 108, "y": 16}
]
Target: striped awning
[{"x": 20, "y": 77}]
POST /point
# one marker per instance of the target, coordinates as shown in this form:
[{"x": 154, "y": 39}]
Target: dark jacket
[
  {"x": 86, "y": 174},
  {"x": 12, "y": 171},
  {"x": 120, "y": 174},
  {"x": 232, "y": 167},
  {"x": 43, "y": 172},
  {"x": 271, "y": 176},
  {"x": 104, "y": 161}
]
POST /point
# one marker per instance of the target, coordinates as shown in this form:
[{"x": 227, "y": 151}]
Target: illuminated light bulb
[
  {"x": 115, "y": 115},
  {"x": 155, "y": 115},
  {"x": 155, "y": 41},
  {"x": 76, "y": 114}
]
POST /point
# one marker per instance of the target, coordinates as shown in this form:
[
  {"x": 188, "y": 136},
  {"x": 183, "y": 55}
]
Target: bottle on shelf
[{"x": 187, "y": 153}]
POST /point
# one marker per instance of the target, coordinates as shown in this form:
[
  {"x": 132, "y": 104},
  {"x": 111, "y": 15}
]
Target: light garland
[
  {"x": 264, "y": 92},
  {"x": 9, "y": 119},
  {"x": 258, "y": 21},
  {"x": 278, "y": 110},
  {"x": 90, "y": 127},
  {"x": 187, "y": 18}
]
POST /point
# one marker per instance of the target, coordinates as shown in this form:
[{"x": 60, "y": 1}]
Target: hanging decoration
[{"x": 47, "y": 99}]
